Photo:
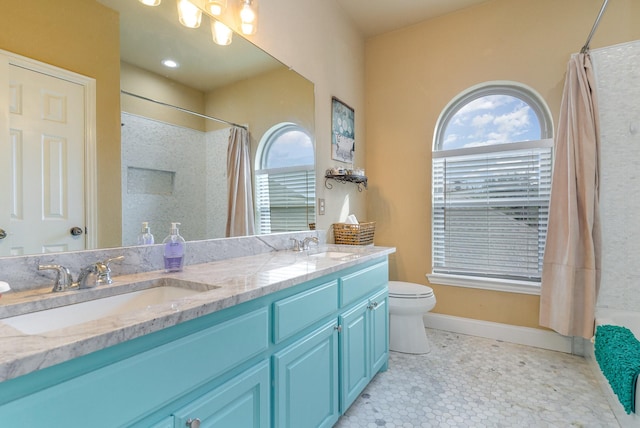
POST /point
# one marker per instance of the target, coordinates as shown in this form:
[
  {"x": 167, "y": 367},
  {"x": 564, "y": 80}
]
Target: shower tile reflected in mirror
[{"x": 166, "y": 179}]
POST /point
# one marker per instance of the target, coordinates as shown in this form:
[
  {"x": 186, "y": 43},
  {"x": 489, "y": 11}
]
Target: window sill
[{"x": 493, "y": 284}]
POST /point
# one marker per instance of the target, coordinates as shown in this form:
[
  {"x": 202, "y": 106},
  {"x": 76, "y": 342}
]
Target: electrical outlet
[{"x": 320, "y": 206}]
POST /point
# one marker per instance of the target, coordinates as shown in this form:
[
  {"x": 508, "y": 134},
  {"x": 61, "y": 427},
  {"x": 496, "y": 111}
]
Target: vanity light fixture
[
  {"x": 189, "y": 14},
  {"x": 249, "y": 16},
  {"x": 222, "y": 35},
  {"x": 151, "y": 2},
  {"x": 215, "y": 7},
  {"x": 170, "y": 63}
]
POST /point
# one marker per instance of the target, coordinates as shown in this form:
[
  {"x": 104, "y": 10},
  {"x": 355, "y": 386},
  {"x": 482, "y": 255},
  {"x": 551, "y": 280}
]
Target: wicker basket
[{"x": 354, "y": 234}]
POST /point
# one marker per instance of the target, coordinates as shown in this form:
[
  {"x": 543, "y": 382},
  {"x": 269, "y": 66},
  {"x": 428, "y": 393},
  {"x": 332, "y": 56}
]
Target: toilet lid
[{"x": 409, "y": 290}]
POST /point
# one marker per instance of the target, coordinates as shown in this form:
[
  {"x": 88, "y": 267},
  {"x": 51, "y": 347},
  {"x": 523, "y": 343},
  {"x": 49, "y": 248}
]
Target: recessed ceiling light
[{"x": 170, "y": 63}]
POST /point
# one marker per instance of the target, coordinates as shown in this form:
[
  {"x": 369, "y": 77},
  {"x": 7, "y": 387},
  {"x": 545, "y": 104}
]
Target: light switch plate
[{"x": 320, "y": 206}]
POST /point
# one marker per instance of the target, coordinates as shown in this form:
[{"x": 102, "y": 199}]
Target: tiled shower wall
[
  {"x": 617, "y": 72},
  {"x": 163, "y": 179}
]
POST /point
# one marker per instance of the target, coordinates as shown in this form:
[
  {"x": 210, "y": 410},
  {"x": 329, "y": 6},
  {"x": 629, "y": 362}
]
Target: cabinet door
[
  {"x": 379, "y": 315},
  {"x": 243, "y": 401},
  {"x": 354, "y": 353},
  {"x": 306, "y": 381}
]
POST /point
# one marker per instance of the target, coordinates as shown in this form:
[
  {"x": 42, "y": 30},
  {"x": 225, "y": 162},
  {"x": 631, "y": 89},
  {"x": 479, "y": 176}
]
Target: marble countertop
[{"x": 227, "y": 283}]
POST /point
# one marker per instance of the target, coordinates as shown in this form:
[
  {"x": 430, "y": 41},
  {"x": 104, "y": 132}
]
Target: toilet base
[{"x": 407, "y": 334}]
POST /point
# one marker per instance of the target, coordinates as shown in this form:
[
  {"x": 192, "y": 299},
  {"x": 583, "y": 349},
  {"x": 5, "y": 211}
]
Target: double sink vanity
[{"x": 278, "y": 338}]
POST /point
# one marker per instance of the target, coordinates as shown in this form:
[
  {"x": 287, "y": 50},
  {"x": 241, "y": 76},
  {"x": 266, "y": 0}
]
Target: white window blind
[
  {"x": 491, "y": 208},
  {"x": 285, "y": 200}
]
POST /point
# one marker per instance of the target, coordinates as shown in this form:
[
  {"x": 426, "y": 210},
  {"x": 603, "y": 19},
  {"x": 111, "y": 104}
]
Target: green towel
[{"x": 617, "y": 352}]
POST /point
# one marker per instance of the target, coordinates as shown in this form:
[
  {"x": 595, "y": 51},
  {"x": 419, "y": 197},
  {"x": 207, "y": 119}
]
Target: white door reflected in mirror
[{"x": 45, "y": 159}]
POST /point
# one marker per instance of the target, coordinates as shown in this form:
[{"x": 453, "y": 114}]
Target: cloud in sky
[{"x": 493, "y": 119}]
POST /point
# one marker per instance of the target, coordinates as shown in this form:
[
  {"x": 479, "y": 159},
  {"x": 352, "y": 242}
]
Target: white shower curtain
[
  {"x": 571, "y": 267},
  {"x": 240, "y": 217}
]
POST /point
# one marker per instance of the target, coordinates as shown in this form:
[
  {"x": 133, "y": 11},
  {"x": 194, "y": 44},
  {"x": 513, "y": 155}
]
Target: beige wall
[
  {"x": 81, "y": 36},
  {"x": 141, "y": 82},
  {"x": 318, "y": 40},
  {"x": 413, "y": 73},
  {"x": 264, "y": 101}
]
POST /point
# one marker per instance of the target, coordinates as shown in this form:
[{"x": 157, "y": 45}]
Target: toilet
[{"x": 408, "y": 302}]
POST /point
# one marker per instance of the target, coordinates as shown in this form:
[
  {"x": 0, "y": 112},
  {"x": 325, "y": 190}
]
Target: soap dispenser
[
  {"x": 174, "y": 249},
  {"x": 145, "y": 237}
]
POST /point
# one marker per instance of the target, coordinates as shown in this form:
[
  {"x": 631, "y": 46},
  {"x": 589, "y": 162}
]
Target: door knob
[
  {"x": 3, "y": 234},
  {"x": 76, "y": 231}
]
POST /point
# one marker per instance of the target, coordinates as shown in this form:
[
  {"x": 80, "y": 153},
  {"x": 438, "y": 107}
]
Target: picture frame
[{"x": 343, "y": 142}]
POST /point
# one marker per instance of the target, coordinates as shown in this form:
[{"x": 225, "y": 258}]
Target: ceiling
[
  {"x": 375, "y": 17},
  {"x": 207, "y": 65},
  {"x": 150, "y": 34}
]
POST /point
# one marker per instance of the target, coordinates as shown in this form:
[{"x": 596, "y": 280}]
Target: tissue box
[{"x": 354, "y": 234}]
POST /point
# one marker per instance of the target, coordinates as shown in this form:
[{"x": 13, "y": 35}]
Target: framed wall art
[{"x": 343, "y": 141}]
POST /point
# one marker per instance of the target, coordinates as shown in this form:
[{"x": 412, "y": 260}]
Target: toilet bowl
[{"x": 408, "y": 302}]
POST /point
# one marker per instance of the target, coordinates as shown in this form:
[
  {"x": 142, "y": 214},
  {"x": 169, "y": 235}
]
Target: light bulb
[
  {"x": 151, "y": 2},
  {"x": 222, "y": 35},
  {"x": 247, "y": 14},
  {"x": 188, "y": 14},
  {"x": 170, "y": 63},
  {"x": 247, "y": 28},
  {"x": 248, "y": 17},
  {"x": 216, "y": 7}
]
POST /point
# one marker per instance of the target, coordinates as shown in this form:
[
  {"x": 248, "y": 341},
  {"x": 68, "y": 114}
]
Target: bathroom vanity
[{"x": 282, "y": 339}]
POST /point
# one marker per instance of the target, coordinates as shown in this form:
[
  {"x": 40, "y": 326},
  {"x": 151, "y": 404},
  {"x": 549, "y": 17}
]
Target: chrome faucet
[
  {"x": 87, "y": 272},
  {"x": 63, "y": 279},
  {"x": 90, "y": 276},
  {"x": 305, "y": 243}
]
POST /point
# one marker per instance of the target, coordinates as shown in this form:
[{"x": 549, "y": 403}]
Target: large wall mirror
[{"x": 173, "y": 161}]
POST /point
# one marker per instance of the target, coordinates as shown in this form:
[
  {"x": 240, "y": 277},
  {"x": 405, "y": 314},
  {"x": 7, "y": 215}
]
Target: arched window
[
  {"x": 285, "y": 180},
  {"x": 492, "y": 159}
]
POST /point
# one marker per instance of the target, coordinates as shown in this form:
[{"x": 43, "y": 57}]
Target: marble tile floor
[{"x": 468, "y": 381}]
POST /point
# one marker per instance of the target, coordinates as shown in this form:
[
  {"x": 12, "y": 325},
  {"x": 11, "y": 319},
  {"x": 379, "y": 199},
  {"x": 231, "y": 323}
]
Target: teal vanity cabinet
[
  {"x": 103, "y": 389},
  {"x": 241, "y": 402},
  {"x": 306, "y": 371},
  {"x": 320, "y": 375},
  {"x": 306, "y": 381},
  {"x": 295, "y": 358},
  {"x": 364, "y": 339},
  {"x": 365, "y": 345}
]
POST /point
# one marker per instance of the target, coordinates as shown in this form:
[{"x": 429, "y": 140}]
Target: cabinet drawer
[
  {"x": 301, "y": 310},
  {"x": 363, "y": 282},
  {"x": 121, "y": 392}
]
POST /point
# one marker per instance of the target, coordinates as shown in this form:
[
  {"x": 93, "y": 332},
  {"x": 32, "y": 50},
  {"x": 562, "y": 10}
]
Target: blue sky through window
[
  {"x": 291, "y": 148},
  {"x": 492, "y": 119}
]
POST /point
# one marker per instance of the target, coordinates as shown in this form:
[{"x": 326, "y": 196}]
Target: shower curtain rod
[
  {"x": 585, "y": 48},
  {"x": 183, "y": 109}
]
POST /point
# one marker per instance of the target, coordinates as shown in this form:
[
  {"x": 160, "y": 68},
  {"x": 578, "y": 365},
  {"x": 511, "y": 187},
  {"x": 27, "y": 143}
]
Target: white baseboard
[{"x": 538, "y": 338}]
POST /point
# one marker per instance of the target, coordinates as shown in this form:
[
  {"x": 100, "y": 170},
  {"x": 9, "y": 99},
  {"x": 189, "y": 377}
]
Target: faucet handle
[
  {"x": 104, "y": 271},
  {"x": 296, "y": 245},
  {"x": 63, "y": 278},
  {"x": 307, "y": 240}
]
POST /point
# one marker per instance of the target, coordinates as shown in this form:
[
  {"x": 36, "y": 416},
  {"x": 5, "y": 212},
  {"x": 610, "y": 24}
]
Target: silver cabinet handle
[
  {"x": 373, "y": 305},
  {"x": 193, "y": 423},
  {"x": 3, "y": 234},
  {"x": 338, "y": 327}
]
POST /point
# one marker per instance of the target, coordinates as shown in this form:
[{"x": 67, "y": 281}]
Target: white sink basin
[
  {"x": 78, "y": 313},
  {"x": 332, "y": 254}
]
